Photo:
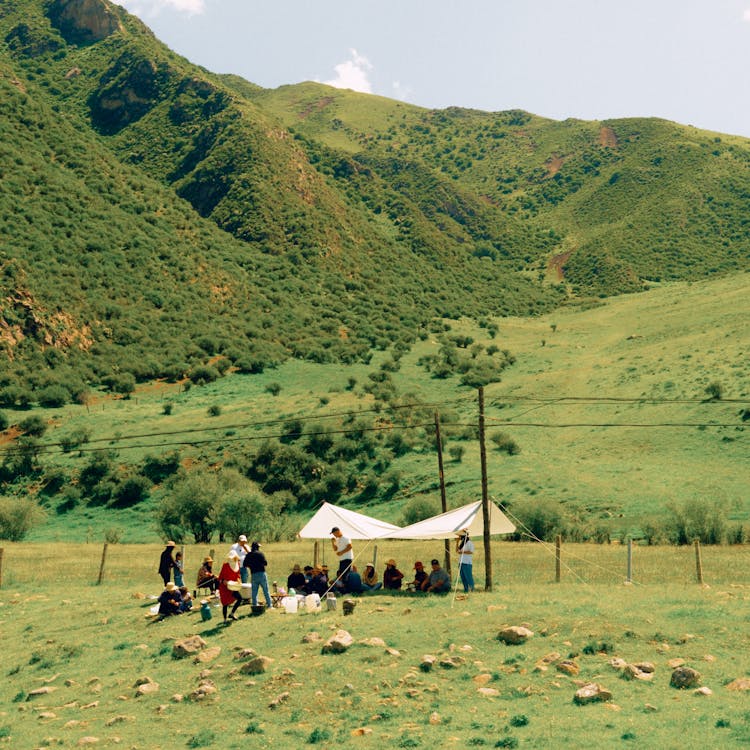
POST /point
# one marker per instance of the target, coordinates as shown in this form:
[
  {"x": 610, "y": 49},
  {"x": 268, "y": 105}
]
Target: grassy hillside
[
  {"x": 307, "y": 221},
  {"x": 608, "y": 406}
]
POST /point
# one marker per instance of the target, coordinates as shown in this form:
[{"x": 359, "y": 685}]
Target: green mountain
[{"x": 157, "y": 219}]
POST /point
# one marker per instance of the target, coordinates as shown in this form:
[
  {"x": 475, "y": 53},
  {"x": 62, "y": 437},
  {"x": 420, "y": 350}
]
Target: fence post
[
  {"x": 698, "y": 562},
  {"x": 629, "y": 578},
  {"x": 101, "y": 567},
  {"x": 558, "y": 557},
  {"x": 1, "y": 567}
]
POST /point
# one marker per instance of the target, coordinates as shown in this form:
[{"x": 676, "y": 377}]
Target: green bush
[
  {"x": 53, "y": 396},
  {"x": 505, "y": 443},
  {"x": 417, "y": 509},
  {"x": 17, "y": 517},
  {"x": 33, "y": 426},
  {"x": 203, "y": 374},
  {"x": 696, "y": 519}
]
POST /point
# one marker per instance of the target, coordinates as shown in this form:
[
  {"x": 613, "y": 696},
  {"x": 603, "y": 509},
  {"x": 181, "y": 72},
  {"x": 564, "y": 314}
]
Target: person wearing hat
[
  {"x": 342, "y": 546},
  {"x": 392, "y": 576},
  {"x": 166, "y": 563},
  {"x": 169, "y": 601},
  {"x": 420, "y": 578},
  {"x": 241, "y": 547},
  {"x": 230, "y": 572},
  {"x": 296, "y": 579},
  {"x": 256, "y": 562},
  {"x": 206, "y": 578},
  {"x": 370, "y": 580},
  {"x": 465, "y": 549}
]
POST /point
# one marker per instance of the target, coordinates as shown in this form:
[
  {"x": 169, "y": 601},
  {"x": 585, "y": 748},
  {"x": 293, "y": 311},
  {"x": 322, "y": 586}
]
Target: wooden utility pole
[
  {"x": 558, "y": 558},
  {"x": 443, "y": 500},
  {"x": 485, "y": 497}
]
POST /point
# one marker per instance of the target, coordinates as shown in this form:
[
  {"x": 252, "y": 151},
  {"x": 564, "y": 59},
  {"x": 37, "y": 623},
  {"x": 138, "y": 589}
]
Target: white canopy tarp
[
  {"x": 447, "y": 524},
  {"x": 354, "y": 525}
]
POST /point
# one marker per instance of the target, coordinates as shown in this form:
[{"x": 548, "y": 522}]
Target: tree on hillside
[{"x": 190, "y": 507}]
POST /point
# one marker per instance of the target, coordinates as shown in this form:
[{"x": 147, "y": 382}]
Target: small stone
[
  {"x": 378, "y": 642},
  {"x": 46, "y": 715},
  {"x": 393, "y": 652},
  {"x": 427, "y": 663},
  {"x": 40, "y": 691},
  {"x": 482, "y": 679},
  {"x": 741, "y": 683},
  {"x": 311, "y": 637},
  {"x": 703, "y": 691},
  {"x": 188, "y": 646},
  {"x": 488, "y": 692},
  {"x": 258, "y": 665},
  {"x": 650, "y": 708},
  {"x": 514, "y": 635},
  {"x": 93, "y": 704},
  {"x": 617, "y": 663},
  {"x": 568, "y": 667},
  {"x": 147, "y": 688},
  {"x": 116, "y": 720},
  {"x": 208, "y": 654},
  {"x": 278, "y": 700},
  {"x": 684, "y": 677},
  {"x": 339, "y": 642},
  {"x": 361, "y": 731},
  {"x": 645, "y": 666},
  {"x": 88, "y": 741},
  {"x": 591, "y": 693},
  {"x": 674, "y": 663},
  {"x": 435, "y": 718}
]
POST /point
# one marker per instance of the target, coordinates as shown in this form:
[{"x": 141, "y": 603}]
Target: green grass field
[{"x": 89, "y": 645}]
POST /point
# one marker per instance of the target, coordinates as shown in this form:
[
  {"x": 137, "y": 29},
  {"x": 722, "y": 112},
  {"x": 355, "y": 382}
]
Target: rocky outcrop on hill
[{"x": 83, "y": 21}]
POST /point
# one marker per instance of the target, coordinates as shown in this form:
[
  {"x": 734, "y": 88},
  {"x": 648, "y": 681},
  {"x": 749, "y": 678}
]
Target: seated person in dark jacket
[
  {"x": 354, "y": 581},
  {"x": 392, "y": 576},
  {"x": 421, "y": 578},
  {"x": 169, "y": 600},
  {"x": 318, "y": 582},
  {"x": 296, "y": 579},
  {"x": 206, "y": 577}
]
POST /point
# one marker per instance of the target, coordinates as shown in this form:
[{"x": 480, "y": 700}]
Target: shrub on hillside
[
  {"x": 158, "y": 468},
  {"x": 504, "y": 442},
  {"x": 538, "y": 519},
  {"x": 53, "y": 396},
  {"x": 696, "y": 519},
  {"x": 121, "y": 382},
  {"x": 130, "y": 491},
  {"x": 4, "y": 423},
  {"x": 202, "y": 374},
  {"x": 33, "y": 426},
  {"x": 17, "y": 517},
  {"x": 417, "y": 509}
]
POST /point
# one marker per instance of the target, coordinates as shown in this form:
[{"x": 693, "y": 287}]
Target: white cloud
[
  {"x": 151, "y": 8},
  {"x": 401, "y": 92},
  {"x": 353, "y": 74},
  {"x": 746, "y": 15}
]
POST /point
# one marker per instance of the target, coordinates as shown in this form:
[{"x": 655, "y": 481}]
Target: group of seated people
[
  {"x": 316, "y": 580},
  {"x": 174, "y": 600}
]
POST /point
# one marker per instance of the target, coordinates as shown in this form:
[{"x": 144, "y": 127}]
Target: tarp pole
[
  {"x": 485, "y": 497},
  {"x": 443, "y": 499}
]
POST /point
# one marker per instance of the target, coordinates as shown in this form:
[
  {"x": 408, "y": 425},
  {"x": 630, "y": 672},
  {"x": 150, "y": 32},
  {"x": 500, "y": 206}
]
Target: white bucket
[
  {"x": 312, "y": 602},
  {"x": 290, "y": 604},
  {"x": 246, "y": 590}
]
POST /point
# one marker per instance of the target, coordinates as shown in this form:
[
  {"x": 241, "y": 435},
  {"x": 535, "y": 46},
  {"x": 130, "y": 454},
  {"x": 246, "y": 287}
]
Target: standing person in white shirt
[
  {"x": 342, "y": 546},
  {"x": 465, "y": 549},
  {"x": 241, "y": 548}
]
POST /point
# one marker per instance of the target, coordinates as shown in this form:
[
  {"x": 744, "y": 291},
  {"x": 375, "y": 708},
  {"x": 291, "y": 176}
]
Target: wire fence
[{"x": 134, "y": 567}]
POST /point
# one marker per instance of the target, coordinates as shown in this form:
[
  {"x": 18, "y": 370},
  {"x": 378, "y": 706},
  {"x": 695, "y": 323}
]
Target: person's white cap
[{"x": 243, "y": 538}]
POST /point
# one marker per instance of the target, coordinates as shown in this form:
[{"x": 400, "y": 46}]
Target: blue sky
[{"x": 686, "y": 60}]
